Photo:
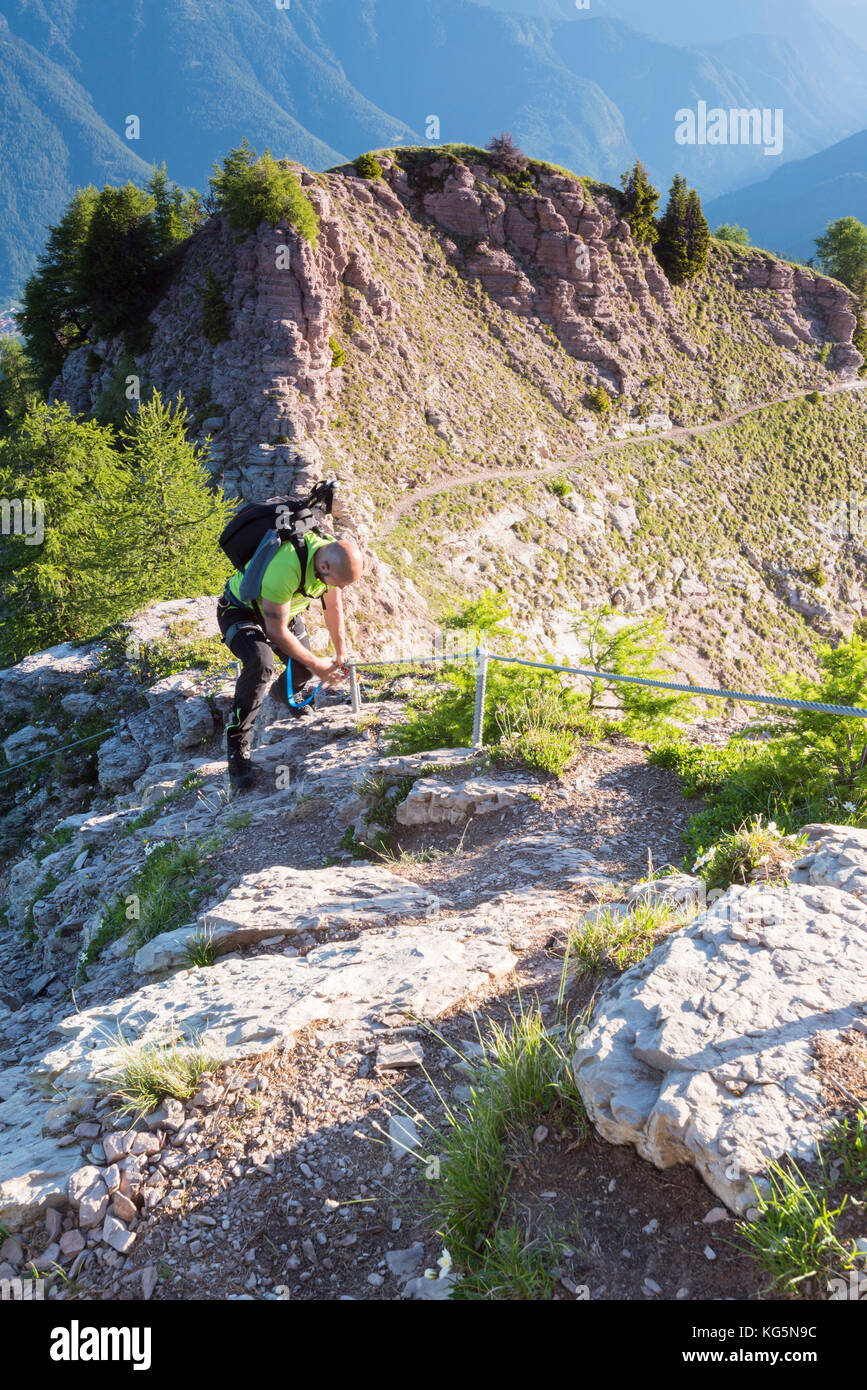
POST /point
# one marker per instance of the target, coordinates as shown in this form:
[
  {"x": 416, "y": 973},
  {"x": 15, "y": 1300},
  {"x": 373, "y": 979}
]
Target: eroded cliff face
[
  {"x": 564, "y": 297},
  {"x": 448, "y": 326}
]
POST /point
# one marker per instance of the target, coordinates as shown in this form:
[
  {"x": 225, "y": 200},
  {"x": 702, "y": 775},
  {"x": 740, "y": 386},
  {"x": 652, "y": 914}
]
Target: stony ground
[
  {"x": 304, "y": 1167},
  {"x": 286, "y": 1177}
]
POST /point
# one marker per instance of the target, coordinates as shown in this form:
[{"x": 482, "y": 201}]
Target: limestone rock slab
[
  {"x": 239, "y": 1008},
  {"x": 702, "y": 1053},
  {"x": 285, "y": 901},
  {"x": 34, "y": 1169},
  {"x": 432, "y": 800}
]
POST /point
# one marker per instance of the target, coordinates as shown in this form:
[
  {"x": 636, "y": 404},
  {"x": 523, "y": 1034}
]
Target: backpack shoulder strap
[
  {"x": 303, "y": 553},
  {"x": 299, "y": 545}
]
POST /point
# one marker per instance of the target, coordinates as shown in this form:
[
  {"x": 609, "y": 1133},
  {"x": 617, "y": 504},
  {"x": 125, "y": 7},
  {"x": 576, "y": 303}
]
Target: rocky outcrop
[
  {"x": 432, "y": 801},
  {"x": 703, "y": 1053},
  {"x": 557, "y": 258},
  {"x": 284, "y": 903},
  {"x": 239, "y": 1008}
]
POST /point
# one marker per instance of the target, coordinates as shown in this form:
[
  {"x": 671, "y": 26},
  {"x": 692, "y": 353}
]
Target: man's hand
[{"x": 330, "y": 672}]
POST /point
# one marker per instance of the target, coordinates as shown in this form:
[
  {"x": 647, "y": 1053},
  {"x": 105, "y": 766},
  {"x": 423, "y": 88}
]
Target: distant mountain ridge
[
  {"x": 787, "y": 211},
  {"x": 325, "y": 79}
]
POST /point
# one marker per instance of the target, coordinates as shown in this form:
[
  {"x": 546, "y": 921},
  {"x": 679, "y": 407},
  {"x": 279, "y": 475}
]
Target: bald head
[{"x": 339, "y": 563}]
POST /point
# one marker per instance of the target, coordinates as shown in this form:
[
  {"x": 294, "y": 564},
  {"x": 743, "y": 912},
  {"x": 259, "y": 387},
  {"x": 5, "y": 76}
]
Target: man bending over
[{"x": 274, "y": 624}]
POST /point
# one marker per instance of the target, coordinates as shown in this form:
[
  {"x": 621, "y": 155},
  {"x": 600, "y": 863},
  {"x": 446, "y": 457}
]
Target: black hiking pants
[{"x": 251, "y": 647}]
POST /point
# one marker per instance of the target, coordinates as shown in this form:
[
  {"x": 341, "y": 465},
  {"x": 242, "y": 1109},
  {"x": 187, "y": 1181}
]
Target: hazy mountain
[
  {"x": 52, "y": 140},
  {"x": 848, "y": 15},
  {"x": 788, "y": 211},
  {"x": 325, "y": 79}
]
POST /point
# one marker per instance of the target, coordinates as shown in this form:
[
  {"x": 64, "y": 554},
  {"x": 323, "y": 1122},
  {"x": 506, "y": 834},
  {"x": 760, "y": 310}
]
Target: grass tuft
[
  {"x": 150, "y": 1072},
  {"x": 618, "y": 942},
  {"x": 522, "y": 1078},
  {"x": 794, "y": 1238}
]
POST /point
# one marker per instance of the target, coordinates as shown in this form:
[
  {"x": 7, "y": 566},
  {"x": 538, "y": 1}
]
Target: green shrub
[
  {"x": 561, "y": 487},
  {"x": 338, "y": 354},
  {"x": 128, "y": 521},
  {"x": 532, "y": 731},
  {"x": 368, "y": 166},
  {"x": 632, "y": 650},
  {"x": 756, "y": 851},
  {"x": 815, "y": 397},
  {"x": 839, "y": 741},
  {"x": 599, "y": 400},
  {"x": 847, "y": 1140},
  {"x": 781, "y": 780},
  {"x": 731, "y": 232},
  {"x": 815, "y": 574},
  {"x": 859, "y": 337},
  {"x": 250, "y": 189}
]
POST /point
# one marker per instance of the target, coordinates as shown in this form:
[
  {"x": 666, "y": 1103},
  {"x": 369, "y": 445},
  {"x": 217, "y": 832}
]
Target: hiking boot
[{"x": 240, "y": 765}]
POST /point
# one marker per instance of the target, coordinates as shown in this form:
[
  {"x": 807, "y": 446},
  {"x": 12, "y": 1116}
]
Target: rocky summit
[{"x": 440, "y": 348}]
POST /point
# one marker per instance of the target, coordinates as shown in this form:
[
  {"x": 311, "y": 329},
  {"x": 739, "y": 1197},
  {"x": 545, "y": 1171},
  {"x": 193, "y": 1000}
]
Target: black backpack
[{"x": 256, "y": 532}]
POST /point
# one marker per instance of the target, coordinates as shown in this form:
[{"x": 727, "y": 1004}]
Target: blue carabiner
[{"x": 290, "y": 693}]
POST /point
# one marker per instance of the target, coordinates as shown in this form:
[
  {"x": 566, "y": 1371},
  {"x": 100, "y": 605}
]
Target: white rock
[
  {"x": 34, "y": 1169},
  {"x": 681, "y": 892},
  {"x": 78, "y": 703},
  {"x": 403, "y": 1263},
  {"x": 404, "y": 1136},
  {"x": 284, "y": 901},
  {"x": 240, "y": 1008},
  {"x": 115, "y": 1234},
  {"x": 97, "y": 829},
  {"x": 399, "y": 1054},
  {"x": 432, "y": 800},
  {"x": 54, "y": 669},
  {"x": 28, "y": 742},
  {"x": 430, "y": 1290},
  {"x": 400, "y": 765},
  {"x": 703, "y": 1053},
  {"x": 196, "y": 721},
  {"x": 120, "y": 760},
  {"x": 88, "y": 1195},
  {"x": 714, "y": 1215}
]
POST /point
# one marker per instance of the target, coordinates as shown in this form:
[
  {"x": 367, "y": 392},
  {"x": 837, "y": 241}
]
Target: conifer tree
[
  {"x": 696, "y": 236},
  {"x": 249, "y": 189},
  {"x": 114, "y": 276},
  {"x": 176, "y": 214},
  {"x": 53, "y": 319},
  {"x": 126, "y": 523},
  {"x": 671, "y": 247},
  {"x": 642, "y": 200},
  {"x": 172, "y": 514},
  {"x": 684, "y": 235},
  {"x": 19, "y": 388}
]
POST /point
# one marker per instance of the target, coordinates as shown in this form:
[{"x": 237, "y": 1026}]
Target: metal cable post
[
  {"x": 481, "y": 683},
  {"x": 353, "y": 688}
]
